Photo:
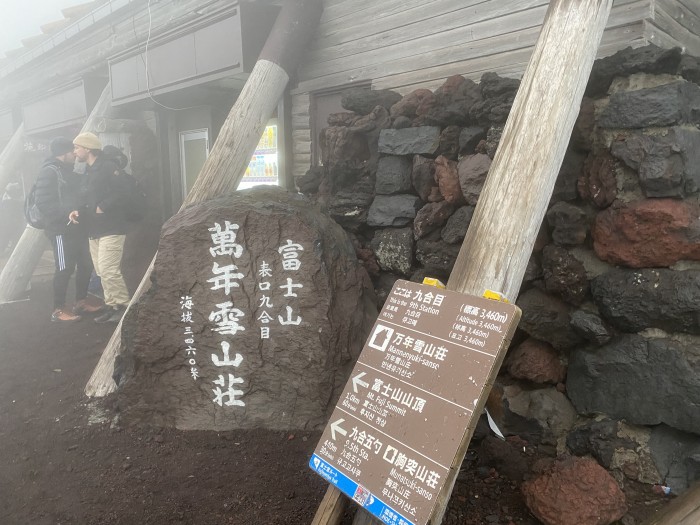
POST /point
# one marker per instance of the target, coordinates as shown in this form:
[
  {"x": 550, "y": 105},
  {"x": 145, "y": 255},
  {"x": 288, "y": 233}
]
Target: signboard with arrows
[{"x": 397, "y": 426}]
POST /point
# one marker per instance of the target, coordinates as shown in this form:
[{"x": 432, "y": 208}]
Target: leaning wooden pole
[
  {"x": 684, "y": 510},
  {"x": 516, "y": 194},
  {"x": 514, "y": 200},
  {"x": 19, "y": 268},
  {"x": 11, "y": 158},
  {"x": 240, "y": 134}
]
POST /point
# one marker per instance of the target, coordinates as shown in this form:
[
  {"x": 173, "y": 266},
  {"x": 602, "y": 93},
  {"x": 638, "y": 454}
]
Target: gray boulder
[
  {"x": 645, "y": 381},
  {"x": 394, "y": 175},
  {"x": 665, "y": 105},
  {"x": 257, "y": 311},
  {"x": 548, "y": 319},
  {"x": 436, "y": 254},
  {"x": 647, "y": 59},
  {"x": 591, "y": 327},
  {"x": 393, "y": 210},
  {"x": 569, "y": 224},
  {"x": 423, "y": 140},
  {"x": 394, "y": 249},
  {"x": 633, "y": 300},
  {"x": 362, "y": 101},
  {"x": 456, "y": 227},
  {"x": 676, "y": 455}
]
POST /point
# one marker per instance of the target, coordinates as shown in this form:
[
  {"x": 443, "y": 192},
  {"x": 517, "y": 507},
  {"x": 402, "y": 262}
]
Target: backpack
[
  {"x": 136, "y": 203},
  {"x": 34, "y": 216}
]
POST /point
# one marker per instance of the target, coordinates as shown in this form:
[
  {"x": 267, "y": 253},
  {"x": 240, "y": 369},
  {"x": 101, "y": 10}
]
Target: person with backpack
[
  {"x": 106, "y": 220},
  {"x": 57, "y": 191}
]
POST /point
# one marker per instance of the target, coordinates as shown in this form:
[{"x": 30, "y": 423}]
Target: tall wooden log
[
  {"x": 19, "y": 268},
  {"x": 240, "y": 134},
  {"x": 513, "y": 202},
  {"x": 11, "y": 158},
  {"x": 331, "y": 509},
  {"x": 684, "y": 510},
  {"x": 514, "y": 199}
]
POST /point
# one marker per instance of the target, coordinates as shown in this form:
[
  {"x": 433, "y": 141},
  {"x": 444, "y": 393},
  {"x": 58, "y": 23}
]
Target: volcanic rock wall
[{"x": 607, "y": 359}]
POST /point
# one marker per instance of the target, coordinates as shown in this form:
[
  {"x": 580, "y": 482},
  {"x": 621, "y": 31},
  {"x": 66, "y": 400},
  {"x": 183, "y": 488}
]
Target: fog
[{"x": 23, "y": 18}]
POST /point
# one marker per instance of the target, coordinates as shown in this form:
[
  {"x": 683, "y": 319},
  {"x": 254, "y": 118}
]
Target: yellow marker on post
[
  {"x": 495, "y": 296},
  {"x": 431, "y": 281}
]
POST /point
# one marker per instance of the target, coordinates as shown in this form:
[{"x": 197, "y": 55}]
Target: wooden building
[
  {"x": 408, "y": 44},
  {"x": 178, "y": 66}
]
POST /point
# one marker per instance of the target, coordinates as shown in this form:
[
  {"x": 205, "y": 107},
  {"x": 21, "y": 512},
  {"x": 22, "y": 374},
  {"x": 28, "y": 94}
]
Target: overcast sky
[{"x": 22, "y": 18}]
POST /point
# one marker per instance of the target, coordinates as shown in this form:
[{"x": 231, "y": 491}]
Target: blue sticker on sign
[{"x": 357, "y": 493}]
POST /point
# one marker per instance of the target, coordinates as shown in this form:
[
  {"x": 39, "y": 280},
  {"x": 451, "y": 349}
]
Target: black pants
[{"x": 70, "y": 251}]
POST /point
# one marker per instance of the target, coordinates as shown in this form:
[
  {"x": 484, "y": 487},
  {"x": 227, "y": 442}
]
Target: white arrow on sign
[
  {"x": 335, "y": 427},
  {"x": 357, "y": 380}
]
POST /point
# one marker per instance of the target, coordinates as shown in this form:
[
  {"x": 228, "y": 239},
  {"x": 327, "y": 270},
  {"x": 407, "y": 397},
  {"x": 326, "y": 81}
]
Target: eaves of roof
[{"x": 45, "y": 43}]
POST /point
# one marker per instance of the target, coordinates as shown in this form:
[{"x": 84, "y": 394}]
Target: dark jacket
[
  {"x": 110, "y": 192},
  {"x": 59, "y": 190}
]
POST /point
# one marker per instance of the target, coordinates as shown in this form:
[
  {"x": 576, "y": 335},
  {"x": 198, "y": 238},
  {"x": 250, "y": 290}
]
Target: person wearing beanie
[
  {"x": 58, "y": 191},
  {"x": 105, "y": 218},
  {"x": 88, "y": 141}
]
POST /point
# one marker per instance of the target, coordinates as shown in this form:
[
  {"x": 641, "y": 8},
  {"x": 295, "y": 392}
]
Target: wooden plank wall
[
  {"x": 89, "y": 53},
  {"x": 407, "y": 44},
  {"x": 675, "y": 23}
]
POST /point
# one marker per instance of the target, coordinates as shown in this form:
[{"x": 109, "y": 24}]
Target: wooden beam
[
  {"x": 514, "y": 199},
  {"x": 684, "y": 510},
  {"x": 240, "y": 134},
  {"x": 101, "y": 382},
  {"x": 11, "y": 158},
  {"x": 331, "y": 509},
  {"x": 19, "y": 268}
]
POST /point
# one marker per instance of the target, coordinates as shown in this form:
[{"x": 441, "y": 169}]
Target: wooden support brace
[
  {"x": 224, "y": 167},
  {"x": 331, "y": 509},
  {"x": 11, "y": 158},
  {"x": 514, "y": 199},
  {"x": 684, "y": 510}
]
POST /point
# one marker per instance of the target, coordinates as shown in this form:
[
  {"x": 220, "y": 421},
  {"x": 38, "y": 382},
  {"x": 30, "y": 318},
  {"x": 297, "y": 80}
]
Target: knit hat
[
  {"x": 88, "y": 140},
  {"x": 115, "y": 154},
  {"x": 60, "y": 146}
]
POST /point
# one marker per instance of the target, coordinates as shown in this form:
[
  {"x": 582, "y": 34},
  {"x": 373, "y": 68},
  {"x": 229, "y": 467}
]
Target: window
[{"x": 194, "y": 150}]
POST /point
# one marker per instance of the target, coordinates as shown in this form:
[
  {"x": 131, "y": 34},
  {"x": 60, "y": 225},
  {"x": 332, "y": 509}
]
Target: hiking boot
[
  {"x": 60, "y": 315},
  {"x": 113, "y": 315},
  {"x": 83, "y": 307}
]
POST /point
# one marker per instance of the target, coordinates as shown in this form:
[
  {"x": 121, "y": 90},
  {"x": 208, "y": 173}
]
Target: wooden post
[
  {"x": 19, "y": 268},
  {"x": 240, "y": 134},
  {"x": 684, "y": 510},
  {"x": 11, "y": 158},
  {"x": 514, "y": 199},
  {"x": 331, "y": 509}
]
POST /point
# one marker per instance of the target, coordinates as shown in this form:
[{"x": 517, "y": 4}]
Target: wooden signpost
[
  {"x": 399, "y": 423},
  {"x": 514, "y": 200}
]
